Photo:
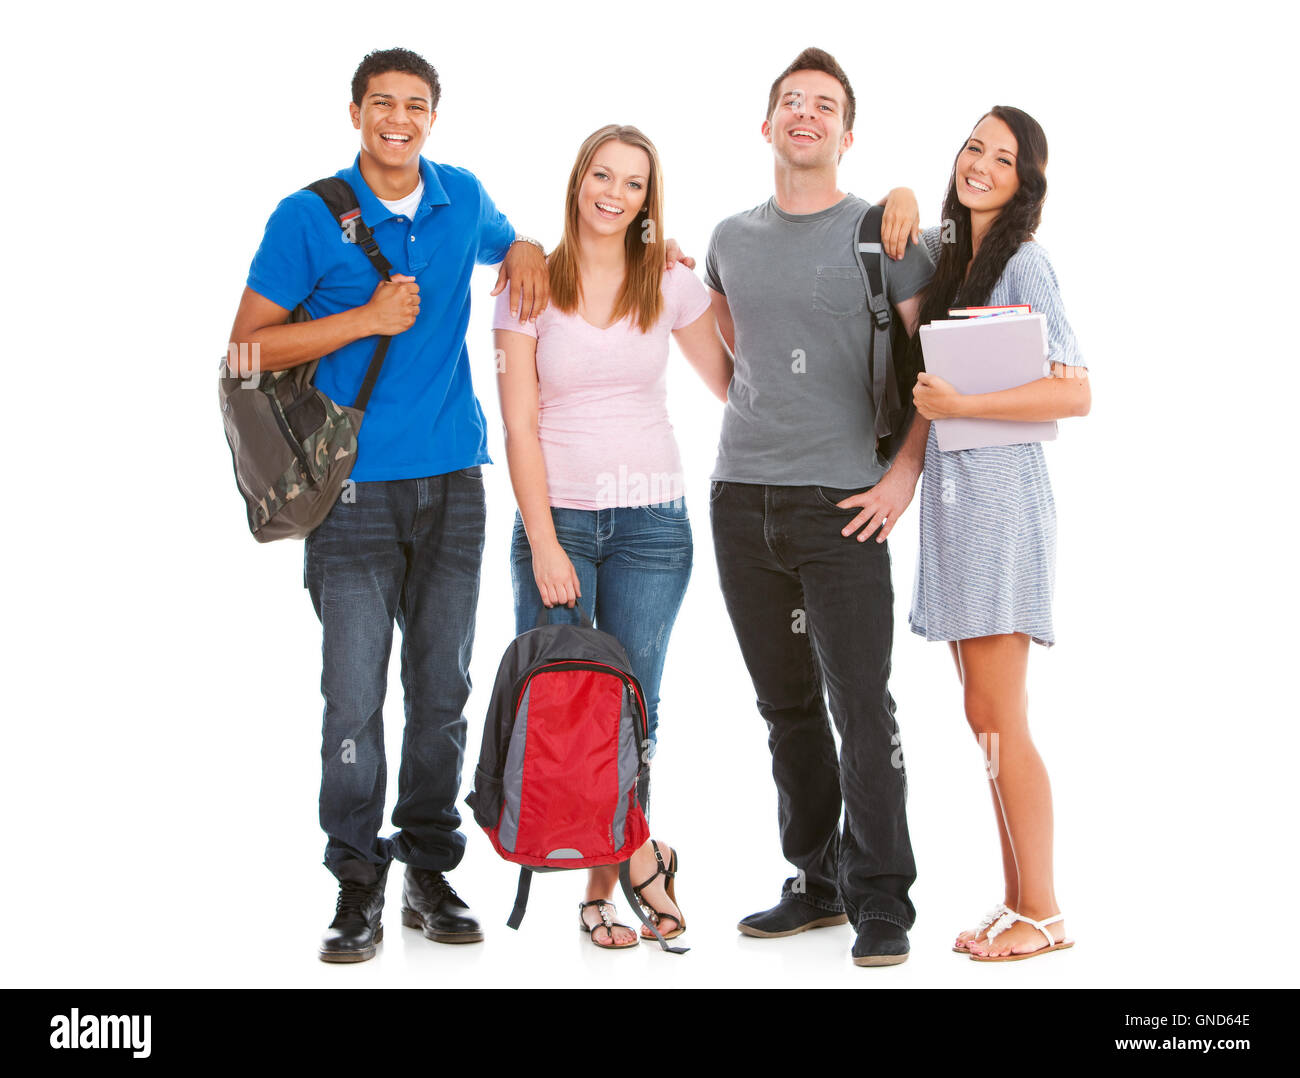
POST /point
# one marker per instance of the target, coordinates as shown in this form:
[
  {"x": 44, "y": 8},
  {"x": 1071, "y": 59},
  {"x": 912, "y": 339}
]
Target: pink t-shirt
[{"x": 603, "y": 408}]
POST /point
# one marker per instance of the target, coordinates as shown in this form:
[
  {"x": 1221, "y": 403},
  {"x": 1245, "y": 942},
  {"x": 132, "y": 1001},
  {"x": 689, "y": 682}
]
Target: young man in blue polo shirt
[{"x": 406, "y": 542}]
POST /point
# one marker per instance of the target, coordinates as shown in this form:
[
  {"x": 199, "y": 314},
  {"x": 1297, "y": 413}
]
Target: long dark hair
[{"x": 1013, "y": 226}]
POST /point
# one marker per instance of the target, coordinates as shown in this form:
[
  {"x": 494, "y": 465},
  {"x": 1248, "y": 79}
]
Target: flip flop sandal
[
  {"x": 667, "y": 872},
  {"x": 606, "y": 922},
  {"x": 984, "y": 923},
  {"x": 1006, "y": 921}
]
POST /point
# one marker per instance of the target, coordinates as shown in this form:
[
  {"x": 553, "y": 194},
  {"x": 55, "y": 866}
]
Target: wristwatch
[{"x": 529, "y": 239}]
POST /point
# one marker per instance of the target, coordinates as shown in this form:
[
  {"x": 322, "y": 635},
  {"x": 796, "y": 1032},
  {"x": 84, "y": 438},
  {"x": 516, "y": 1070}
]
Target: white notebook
[{"x": 984, "y": 355}]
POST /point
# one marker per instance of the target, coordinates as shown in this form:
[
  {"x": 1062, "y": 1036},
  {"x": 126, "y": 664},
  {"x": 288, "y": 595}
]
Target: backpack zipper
[
  {"x": 298, "y": 450},
  {"x": 591, "y": 664}
]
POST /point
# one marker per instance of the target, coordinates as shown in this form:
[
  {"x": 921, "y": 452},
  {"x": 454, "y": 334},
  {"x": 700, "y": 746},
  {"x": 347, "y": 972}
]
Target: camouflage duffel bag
[{"x": 292, "y": 446}]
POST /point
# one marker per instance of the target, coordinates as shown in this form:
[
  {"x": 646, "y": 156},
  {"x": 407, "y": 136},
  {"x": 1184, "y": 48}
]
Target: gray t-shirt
[{"x": 799, "y": 407}]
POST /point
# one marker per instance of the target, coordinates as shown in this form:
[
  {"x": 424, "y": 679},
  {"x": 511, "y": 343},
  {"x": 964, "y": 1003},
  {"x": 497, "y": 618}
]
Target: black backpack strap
[
  {"x": 521, "y": 897},
  {"x": 544, "y": 616},
  {"x": 884, "y": 384},
  {"x": 338, "y": 196},
  {"x": 341, "y": 201},
  {"x": 869, "y": 259}
]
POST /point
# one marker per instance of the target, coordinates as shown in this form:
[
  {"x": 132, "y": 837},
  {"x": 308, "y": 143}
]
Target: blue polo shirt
[{"x": 423, "y": 418}]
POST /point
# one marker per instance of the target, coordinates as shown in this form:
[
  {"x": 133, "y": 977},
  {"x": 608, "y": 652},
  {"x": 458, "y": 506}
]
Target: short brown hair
[{"x": 816, "y": 60}]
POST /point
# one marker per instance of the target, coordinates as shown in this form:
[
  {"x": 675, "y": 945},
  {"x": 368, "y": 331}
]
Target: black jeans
[{"x": 813, "y": 612}]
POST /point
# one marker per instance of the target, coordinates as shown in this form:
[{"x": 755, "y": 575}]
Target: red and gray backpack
[{"x": 556, "y": 782}]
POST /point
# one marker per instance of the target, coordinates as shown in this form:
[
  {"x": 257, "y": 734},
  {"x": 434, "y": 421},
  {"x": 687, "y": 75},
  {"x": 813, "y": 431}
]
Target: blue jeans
[
  {"x": 408, "y": 550},
  {"x": 633, "y": 565}
]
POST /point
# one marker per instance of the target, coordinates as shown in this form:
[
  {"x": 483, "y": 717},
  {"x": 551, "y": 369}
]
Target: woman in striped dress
[{"x": 988, "y": 522}]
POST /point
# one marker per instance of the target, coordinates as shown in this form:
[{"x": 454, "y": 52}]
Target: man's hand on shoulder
[{"x": 525, "y": 270}]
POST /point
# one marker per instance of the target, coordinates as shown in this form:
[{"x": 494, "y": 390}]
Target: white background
[{"x": 161, "y": 746}]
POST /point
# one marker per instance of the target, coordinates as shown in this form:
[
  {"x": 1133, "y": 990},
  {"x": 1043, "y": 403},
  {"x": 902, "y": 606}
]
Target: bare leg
[
  {"x": 643, "y": 866},
  {"x": 601, "y": 882},
  {"x": 994, "y": 669},
  {"x": 1010, "y": 880}
]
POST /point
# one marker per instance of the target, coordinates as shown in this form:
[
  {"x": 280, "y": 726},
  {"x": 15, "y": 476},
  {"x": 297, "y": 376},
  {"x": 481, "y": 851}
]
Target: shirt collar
[{"x": 373, "y": 211}]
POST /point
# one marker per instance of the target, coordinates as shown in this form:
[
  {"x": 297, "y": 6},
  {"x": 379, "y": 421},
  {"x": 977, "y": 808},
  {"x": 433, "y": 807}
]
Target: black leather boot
[
  {"x": 356, "y": 929},
  {"x": 430, "y": 904}
]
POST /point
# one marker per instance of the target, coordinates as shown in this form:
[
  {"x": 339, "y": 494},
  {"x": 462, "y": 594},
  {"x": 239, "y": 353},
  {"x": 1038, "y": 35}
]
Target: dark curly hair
[
  {"x": 383, "y": 61},
  {"x": 1013, "y": 226}
]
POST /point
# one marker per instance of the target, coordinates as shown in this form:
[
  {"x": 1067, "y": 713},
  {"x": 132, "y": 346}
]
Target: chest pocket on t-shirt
[{"x": 839, "y": 291}]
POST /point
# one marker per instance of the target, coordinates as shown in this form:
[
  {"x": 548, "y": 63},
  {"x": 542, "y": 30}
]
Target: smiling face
[
  {"x": 986, "y": 174},
  {"x": 614, "y": 188},
  {"x": 807, "y": 128},
  {"x": 394, "y": 119}
]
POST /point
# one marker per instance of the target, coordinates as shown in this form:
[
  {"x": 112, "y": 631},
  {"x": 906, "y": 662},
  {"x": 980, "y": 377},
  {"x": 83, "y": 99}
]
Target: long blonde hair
[{"x": 643, "y": 244}]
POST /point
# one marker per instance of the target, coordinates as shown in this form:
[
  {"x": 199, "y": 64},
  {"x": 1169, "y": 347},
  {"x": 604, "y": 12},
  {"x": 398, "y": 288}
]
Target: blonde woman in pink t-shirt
[{"x": 593, "y": 461}]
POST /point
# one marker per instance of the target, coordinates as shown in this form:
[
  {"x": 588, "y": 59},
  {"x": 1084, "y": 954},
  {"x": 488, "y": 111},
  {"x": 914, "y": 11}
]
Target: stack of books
[{"x": 984, "y": 350}]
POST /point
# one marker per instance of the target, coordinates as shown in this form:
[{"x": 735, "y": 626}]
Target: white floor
[
  {"x": 255, "y": 922},
  {"x": 162, "y": 770},
  {"x": 177, "y": 843}
]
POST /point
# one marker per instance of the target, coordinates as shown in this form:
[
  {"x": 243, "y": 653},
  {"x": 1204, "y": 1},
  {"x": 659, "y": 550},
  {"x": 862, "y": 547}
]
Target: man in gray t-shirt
[
  {"x": 799, "y": 408},
  {"x": 801, "y": 505}
]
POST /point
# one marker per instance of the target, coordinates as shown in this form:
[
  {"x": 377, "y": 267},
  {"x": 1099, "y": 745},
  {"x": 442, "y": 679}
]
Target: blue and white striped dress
[{"x": 987, "y": 557}]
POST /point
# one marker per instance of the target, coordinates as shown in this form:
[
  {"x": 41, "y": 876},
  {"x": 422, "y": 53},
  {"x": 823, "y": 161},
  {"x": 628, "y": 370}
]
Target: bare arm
[
  {"x": 902, "y": 221},
  {"x": 702, "y": 344},
  {"x": 524, "y": 269},
  {"x": 909, "y": 312},
  {"x": 557, "y": 582},
  {"x": 883, "y": 504},
  {"x": 280, "y": 344},
  {"x": 910, "y": 461},
  {"x": 1064, "y": 393},
  {"x": 722, "y": 313}
]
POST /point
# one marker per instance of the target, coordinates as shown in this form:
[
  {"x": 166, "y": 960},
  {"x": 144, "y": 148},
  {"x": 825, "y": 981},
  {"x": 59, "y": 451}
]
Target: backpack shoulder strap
[
  {"x": 338, "y": 196},
  {"x": 884, "y": 388},
  {"x": 521, "y": 897},
  {"x": 870, "y": 263},
  {"x": 341, "y": 200}
]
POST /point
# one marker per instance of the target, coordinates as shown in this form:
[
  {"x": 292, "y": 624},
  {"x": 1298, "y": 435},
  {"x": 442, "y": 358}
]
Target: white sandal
[
  {"x": 1006, "y": 921},
  {"x": 984, "y": 923}
]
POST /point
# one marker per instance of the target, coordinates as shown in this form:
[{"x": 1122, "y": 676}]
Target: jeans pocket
[
  {"x": 716, "y": 487},
  {"x": 673, "y": 512},
  {"x": 473, "y": 472},
  {"x": 830, "y": 495},
  {"x": 839, "y": 291}
]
